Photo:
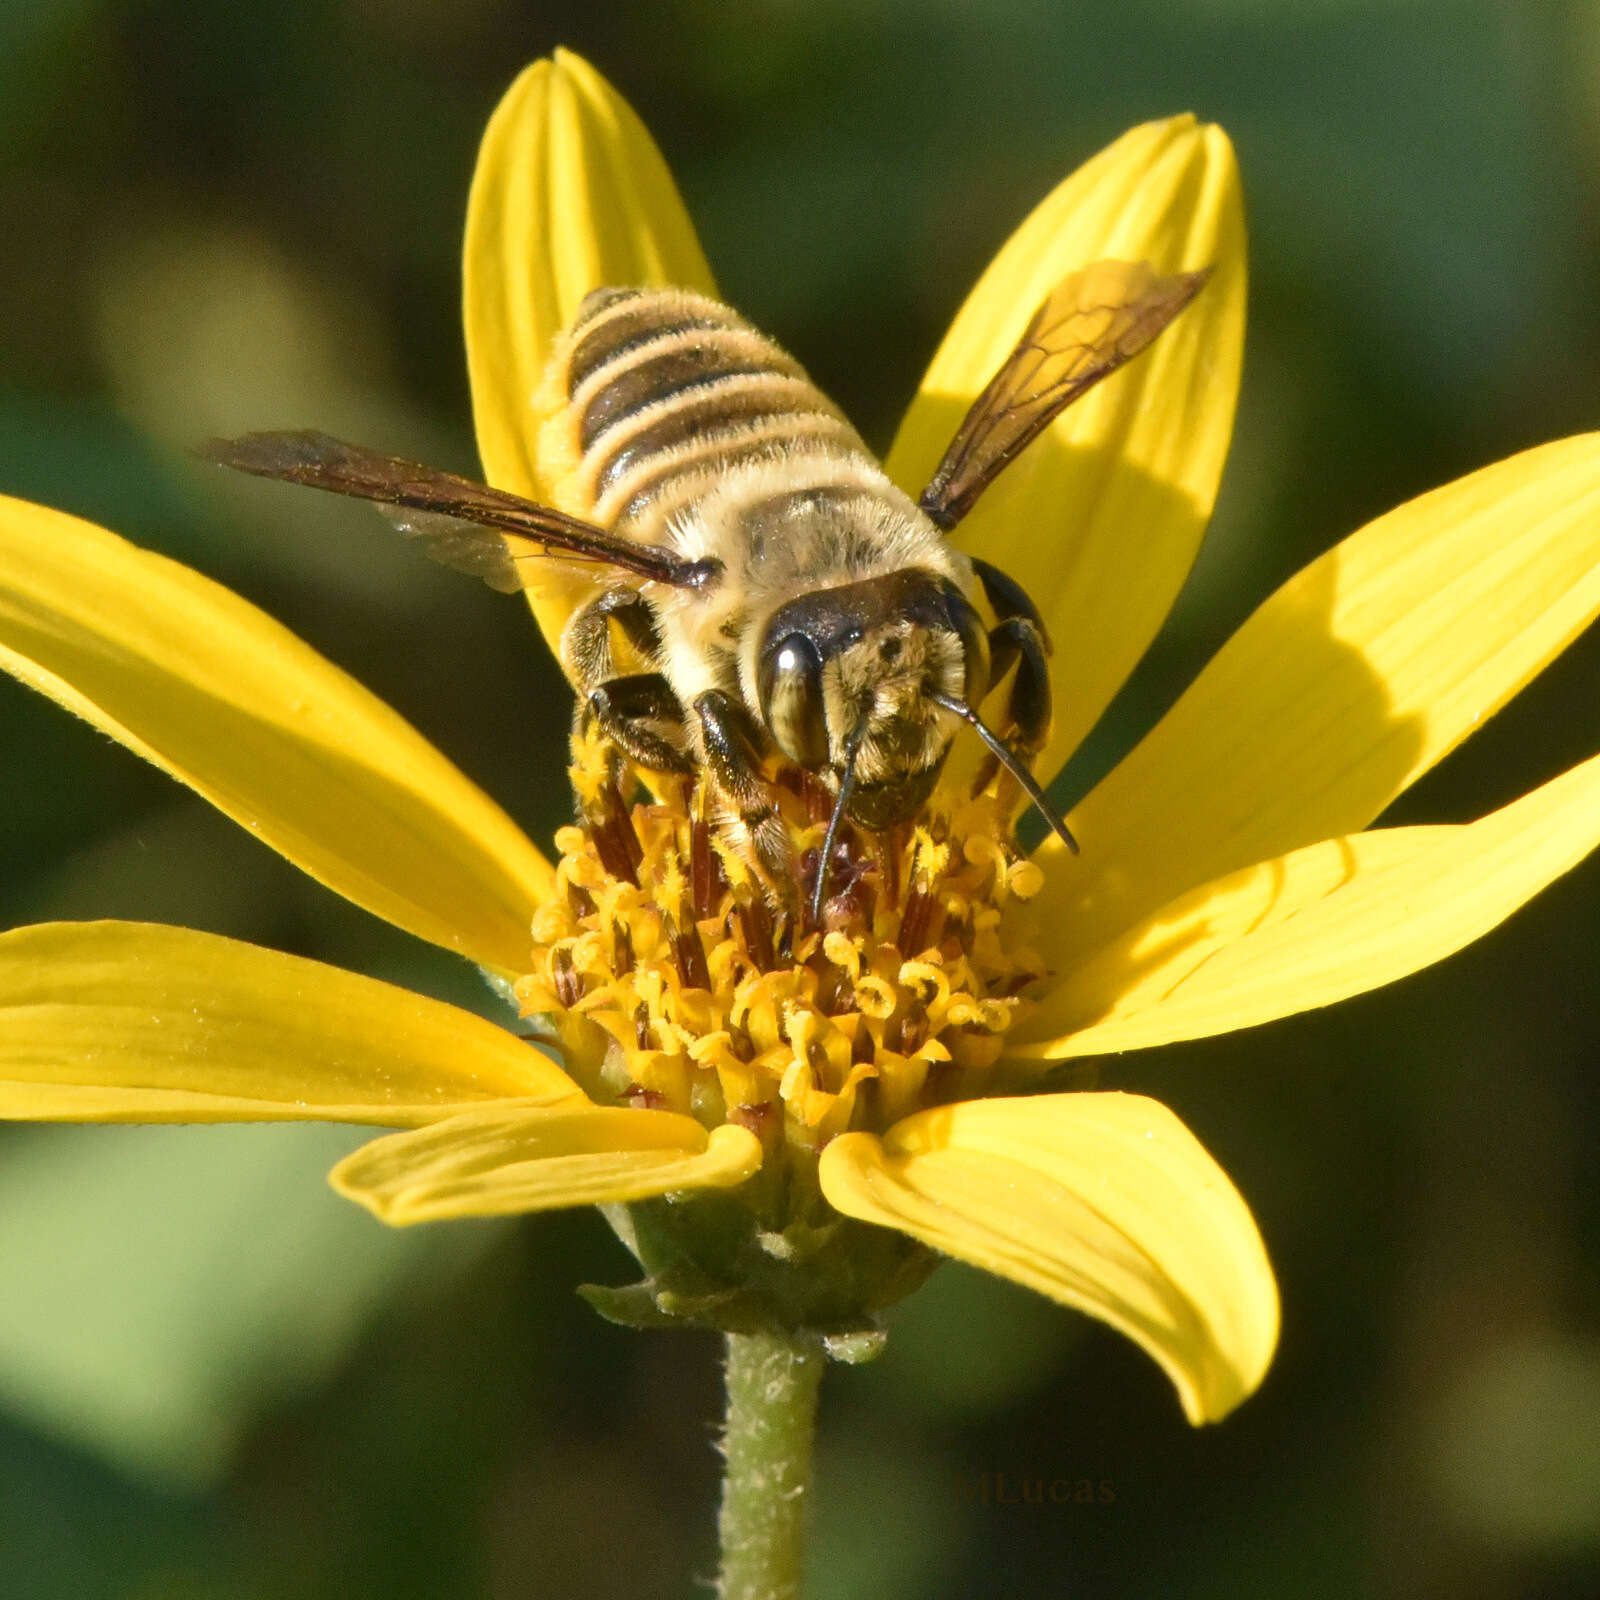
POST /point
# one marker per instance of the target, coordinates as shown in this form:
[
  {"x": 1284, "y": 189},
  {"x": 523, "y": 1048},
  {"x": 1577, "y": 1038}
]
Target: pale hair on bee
[{"x": 770, "y": 591}]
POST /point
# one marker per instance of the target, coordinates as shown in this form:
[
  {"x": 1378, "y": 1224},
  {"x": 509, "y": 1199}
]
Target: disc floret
[{"x": 674, "y": 983}]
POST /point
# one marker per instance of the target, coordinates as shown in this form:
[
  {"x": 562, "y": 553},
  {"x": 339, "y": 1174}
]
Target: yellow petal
[
  {"x": 1348, "y": 684},
  {"x": 570, "y": 194},
  {"x": 1105, "y": 1202},
  {"x": 1324, "y": 923},
  {"x": 1100, "y": 518},
  {"x": 210, "y": 689},
  {"x": 492, "y": 1163},
  {"x": 134, "y": 1022}
]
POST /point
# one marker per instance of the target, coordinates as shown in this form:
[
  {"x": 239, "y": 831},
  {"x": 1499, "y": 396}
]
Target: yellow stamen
[{"x": 674, "y": 984}]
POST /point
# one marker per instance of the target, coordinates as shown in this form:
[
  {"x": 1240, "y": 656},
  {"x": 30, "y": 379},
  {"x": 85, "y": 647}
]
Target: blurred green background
[{"x": 216, "y": 1382}]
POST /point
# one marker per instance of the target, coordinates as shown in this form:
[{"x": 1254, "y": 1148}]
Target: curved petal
[
  {"x": 135, "y": 1022},
  {"x": 493, "y": 1162},
  {"x": 191, "y": 677},
  {"x": 1105, "y": 1202},
  {"x": 1343, "y": 688},
  {"x": 1100, "y": 518},
  {"x": 570, "y": 194},
  {"x": 1325, "y": 923}
]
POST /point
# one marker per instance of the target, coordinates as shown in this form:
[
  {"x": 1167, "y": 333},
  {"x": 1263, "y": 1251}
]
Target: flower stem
[{"x": 766, "y": 1445}]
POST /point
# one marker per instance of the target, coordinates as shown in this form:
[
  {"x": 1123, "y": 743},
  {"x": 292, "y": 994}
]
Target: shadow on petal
[{"x": 1227, "y": 780}]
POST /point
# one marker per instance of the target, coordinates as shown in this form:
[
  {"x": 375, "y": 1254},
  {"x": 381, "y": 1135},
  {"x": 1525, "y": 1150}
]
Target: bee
[{"x": 773, "y": 592}]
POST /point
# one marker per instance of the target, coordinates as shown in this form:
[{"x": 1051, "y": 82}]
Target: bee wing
[
  {"x": 463, "y": 546},
  {"x": 462, "y": 524},
  {"x": 1089, "y": 325}
]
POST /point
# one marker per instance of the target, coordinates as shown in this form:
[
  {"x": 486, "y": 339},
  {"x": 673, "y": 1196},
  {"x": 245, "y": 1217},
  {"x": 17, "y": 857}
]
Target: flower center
[{"x": 675, "y": 985}]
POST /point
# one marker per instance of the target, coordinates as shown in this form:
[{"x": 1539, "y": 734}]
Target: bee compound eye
[{"x": 791, "y": 700}]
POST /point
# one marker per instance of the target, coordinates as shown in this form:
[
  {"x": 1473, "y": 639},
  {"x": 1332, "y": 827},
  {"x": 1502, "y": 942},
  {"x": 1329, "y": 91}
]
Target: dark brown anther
[
  {"x": 919, "y": 926},
  {"x": 822, "y": 1067},
  {"x": 641, "y": 1025},
  {"x": 611, "y": 829},
  {"x": 740, "y": 1043},
  {"x": 691, "y": 954},
  {"x": 907, "y": 1035},
  {"x": 613, "y": 858},
  {"x": 865, "y": 894},
  {"x": 621, "y": 949},
  {"x": 863, "y": 1047},
  {"x": 643, "y": 1099},
  {"x": 869, "y": 1100},
  {"x": 809, "y": 865},
  {"x": 706, "y": 880},
  {"x": 942, "y": 1083},
  {"x": 569, "y": 986},
  {"x": 756, "y": 921},
  {"x": 922, "y": 920},
  {"x": 579, "y": 899},
  {"x": 891, "y": 847},
  {"x": 618, "y": 808},
  {"x": 757, "y": 1118},
  {"x": 835, "y": 991}
]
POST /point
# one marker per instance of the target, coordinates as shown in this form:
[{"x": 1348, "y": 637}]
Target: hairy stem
[{"x": 766, "y": 1445}]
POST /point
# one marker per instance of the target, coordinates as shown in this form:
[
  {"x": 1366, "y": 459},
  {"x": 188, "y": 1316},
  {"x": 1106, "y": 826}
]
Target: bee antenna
[
  {"x": 1007, "y": 757},
  {"x": 852, "y": 748}
]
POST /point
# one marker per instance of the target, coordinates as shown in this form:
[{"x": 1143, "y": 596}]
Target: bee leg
[
  {"x": 586, "y": 640},
  {"x": 1028, "y": 709},
  {"x": 1019, "y": 638},
  {"x": 731, "y": 742},
  {"x": 642, "y": 717}
]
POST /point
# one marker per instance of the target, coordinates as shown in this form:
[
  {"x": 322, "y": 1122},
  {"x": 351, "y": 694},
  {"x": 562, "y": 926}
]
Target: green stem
[{"x": 766, "y": 1444}]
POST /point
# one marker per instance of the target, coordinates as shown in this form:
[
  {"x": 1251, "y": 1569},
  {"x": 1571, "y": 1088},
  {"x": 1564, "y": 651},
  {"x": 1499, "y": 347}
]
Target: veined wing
[
  {"x": 1089, "y": 325},
  {"x": 462, "y": 524}
]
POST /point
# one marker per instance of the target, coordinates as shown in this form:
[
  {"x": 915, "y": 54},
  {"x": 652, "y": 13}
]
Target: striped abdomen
[{"x": 665, "y": 392}]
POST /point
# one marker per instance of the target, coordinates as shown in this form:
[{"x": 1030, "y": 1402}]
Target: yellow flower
[{"x": 844, "y": 1109}]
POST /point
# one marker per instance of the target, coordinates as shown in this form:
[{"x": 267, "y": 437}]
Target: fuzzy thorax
[{"x": 673, "y": 985}]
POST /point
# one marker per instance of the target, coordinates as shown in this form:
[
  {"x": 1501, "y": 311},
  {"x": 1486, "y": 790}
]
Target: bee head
[{"x": 847, "y": 678}]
